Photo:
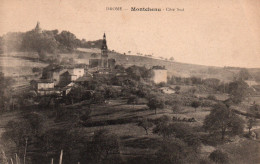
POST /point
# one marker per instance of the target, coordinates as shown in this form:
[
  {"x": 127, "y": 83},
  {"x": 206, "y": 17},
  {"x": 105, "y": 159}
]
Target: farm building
[
  {"x": 43, "y": 87},
  {"x": 159, "y": 74},
  {"x": 167, "y": 90},
  {"x": 60, "y": 75}
]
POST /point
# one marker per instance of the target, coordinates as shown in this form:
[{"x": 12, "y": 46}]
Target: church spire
[{"x": 104, "y": 43}]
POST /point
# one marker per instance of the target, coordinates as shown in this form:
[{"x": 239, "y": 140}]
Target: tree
[
  {"x": 12, "y": 41},
  {"x": 103, "y": 145},
  {"x": 255, "y": 109},
  {"x": 171, "y": 59},
  {"x": 40, "y": 42},
  {"x": 18, "y": 132},
  {"x": 110, "y": 92},
  {"x": 5, "y": 92},
  {"x": 94, "y": 55},
  {"x": 155, "y": 102},
  {"x": 192, "y": 90},
  {"x": 195, "y": 104},
  {"x": 244, "y": 74},
  {"x": 67, "y": 39},
  {"x": 179, "y": 130},
  {"x": 98, "y": 97},
  {"x": 212, "y": 97},
  {"x": 174, "y": 151},
  {"x": 146, "y": 124},
  {"x": 176, "y": 108},
  {"x": 79, "y": 93},
  {"x": 50, "y": 143},
  {"x": 132, "y": 100},
  {"x": 238, "y": 90},
  {"x": 137, "y": 72},
  {"x": 211, "y": 82},
  {"x": 219, "y": 157},
  {"x": 36, "y": 122},
  {"x": 177, "y": 88},
  {"x": 196, "y": 80},
  {"x": 222, "y": 119},
  {"x": 250, "y": 123}
]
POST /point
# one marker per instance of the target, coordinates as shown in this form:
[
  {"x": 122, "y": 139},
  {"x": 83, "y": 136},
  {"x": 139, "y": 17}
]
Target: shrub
[
  {"x": 195, "y": 104},
  {"x": 145, "y": 124},
  {"x": 176, "y": 108},
  {"x": 219, "y": 157},
  {"x": 81, "y": 56},
  {"x": 177, "y": 88},
  {"x": 212, "y": 97},
  {"x": 175, "y": 151},
  {"x": 162, "y": 84},
  {"x": 104, "y": 145},
  {"x": 207, "y": 103},
  {"x": 36, "y": 69}
]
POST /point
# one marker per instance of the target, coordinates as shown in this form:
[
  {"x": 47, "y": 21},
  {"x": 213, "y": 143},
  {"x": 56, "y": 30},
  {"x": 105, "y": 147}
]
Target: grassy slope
[{"x": 23, "y": 66}]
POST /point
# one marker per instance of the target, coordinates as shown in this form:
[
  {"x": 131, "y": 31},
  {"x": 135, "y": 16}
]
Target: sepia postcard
[{"x": 129, "y": 82}]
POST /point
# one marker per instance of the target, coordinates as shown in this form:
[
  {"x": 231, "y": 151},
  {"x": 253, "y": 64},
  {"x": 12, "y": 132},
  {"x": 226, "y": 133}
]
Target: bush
[
  {"x": 81, "y": 56},
  {"x": 175, "y": 151},
  {"x": 104, "y": 145},
  {"x": 177, "y": 88},
  {"x": 36, "y": 69},
  {"x": 145, "y": 124},
  {"x": 162, "y": 84},
  {"x": 195, "y": 104},
  {"x": 212, "y": 97},
  {"x": 207, "y": 103},
  {"x": 176, "y": 108},
  {"x": 161, "y": 120},
  {"x": 219, "y": 157}
]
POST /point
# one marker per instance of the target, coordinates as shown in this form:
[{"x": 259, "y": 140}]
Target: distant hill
[
  {"x": 65, "y": 43},
  {"x": 174, "y": 68}
]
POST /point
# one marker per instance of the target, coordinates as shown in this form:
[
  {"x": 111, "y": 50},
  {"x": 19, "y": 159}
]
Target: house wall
[
  {"x": 79, "y": 72},
  {"x": 56, "y": 76},
  {"x": 45, "y": 85},
  {"x": 159, "y": 75},
  {"x": 74, "y": 77}
]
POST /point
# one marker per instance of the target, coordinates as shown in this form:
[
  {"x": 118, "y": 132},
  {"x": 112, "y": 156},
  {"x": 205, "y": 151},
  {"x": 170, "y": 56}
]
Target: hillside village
[
  {"x": 101, "y": 108},
  {"x": 59, "y": 79}
]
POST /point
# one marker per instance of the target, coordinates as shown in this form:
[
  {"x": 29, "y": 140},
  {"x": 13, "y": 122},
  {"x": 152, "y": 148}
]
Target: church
[{"x": 104, "y": 63}]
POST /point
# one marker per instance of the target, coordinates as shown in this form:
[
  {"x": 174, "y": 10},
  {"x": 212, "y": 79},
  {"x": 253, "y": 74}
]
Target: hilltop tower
[
  {"x": 38, "y": 28},
  {"x": 104, "y": 54}
]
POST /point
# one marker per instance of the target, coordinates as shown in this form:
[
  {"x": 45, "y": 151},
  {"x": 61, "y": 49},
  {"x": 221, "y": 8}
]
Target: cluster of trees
[
  {"x": 138, "y": 73},
  {"x": 237, "y": 89},
  {"x": 210, "y": 82},
  {"x": 45, "y": 42},
  {"x": 224, "y": 121},
  {"x": 30, "y": 134},
  {"x": 180, "y": 143},
  {"x": 94, "y": 92}
]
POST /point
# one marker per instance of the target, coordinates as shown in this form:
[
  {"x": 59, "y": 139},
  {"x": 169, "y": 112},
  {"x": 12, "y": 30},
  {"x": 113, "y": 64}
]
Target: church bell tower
[{"x": 104, "y": 55}]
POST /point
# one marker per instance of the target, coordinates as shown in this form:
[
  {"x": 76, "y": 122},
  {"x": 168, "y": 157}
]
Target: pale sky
[{"x": 215, "y": 32}]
